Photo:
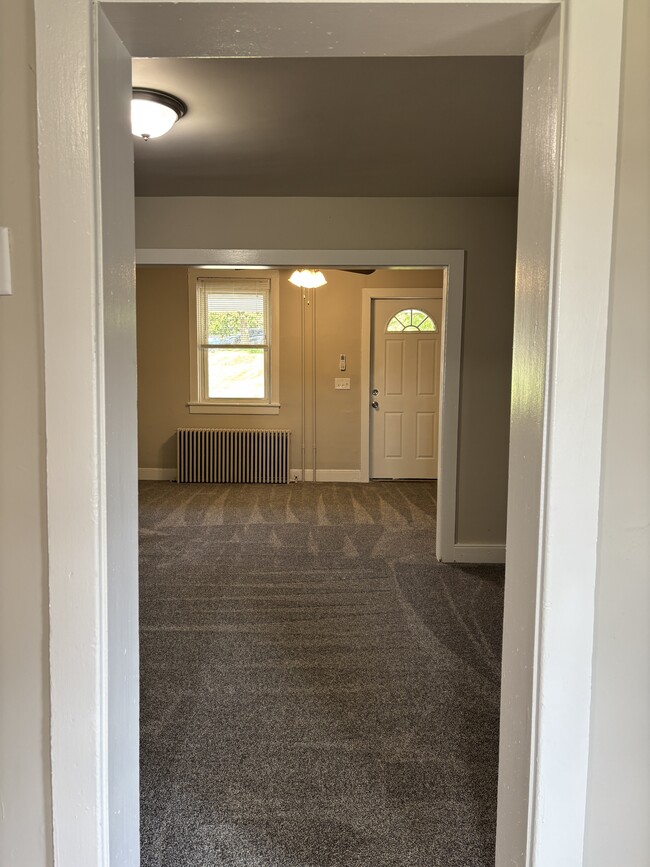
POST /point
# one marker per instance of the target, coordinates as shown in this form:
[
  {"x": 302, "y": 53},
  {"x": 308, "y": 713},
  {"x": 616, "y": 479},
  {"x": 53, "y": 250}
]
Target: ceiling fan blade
[{"x": 365, "y": 271}]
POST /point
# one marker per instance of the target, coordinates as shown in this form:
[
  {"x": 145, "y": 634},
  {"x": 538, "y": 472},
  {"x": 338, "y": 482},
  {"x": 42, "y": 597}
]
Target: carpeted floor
[{"x": 317, "y": 691}]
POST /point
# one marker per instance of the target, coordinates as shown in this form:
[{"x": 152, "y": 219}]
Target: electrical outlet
[{"x": 342, "y": 383}]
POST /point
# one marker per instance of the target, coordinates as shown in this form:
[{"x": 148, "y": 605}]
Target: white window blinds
[{"x": 234, "y": 314}]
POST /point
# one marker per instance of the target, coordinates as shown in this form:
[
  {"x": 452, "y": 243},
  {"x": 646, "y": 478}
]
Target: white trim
[
  {"x": 70, "y": 218},
  {"x": 284, "y": 258},
  {"x": 529, "y": 425},
  {"x": 451, "y": 354},
  {"x": 478, "y": 554},
  {"x": 577, "y": 366},
  {"x": 169, "y": 474},
  {"x": 157, "y": 474},
  {"x": 268, "y": 407},
  {"x": 118, "y": 412},
  {"x": 326, "y": 475},
  {"x": 234, "y": 409},
  {"x": 473, "y": 27},
  {"x": 453, "y": 263}
]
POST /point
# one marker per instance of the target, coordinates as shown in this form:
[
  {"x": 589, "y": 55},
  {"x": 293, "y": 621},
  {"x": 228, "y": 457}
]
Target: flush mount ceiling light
[
  {"x": 307, "y": 278},
  {"x": 153, "y": 113}
]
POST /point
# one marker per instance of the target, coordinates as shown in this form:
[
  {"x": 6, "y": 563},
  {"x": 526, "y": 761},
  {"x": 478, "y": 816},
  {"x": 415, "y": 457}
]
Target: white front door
[{"x": 404, "y": 385}]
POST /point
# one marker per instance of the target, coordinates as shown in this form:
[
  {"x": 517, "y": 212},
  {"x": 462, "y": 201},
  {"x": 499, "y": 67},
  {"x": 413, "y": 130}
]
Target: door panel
[
  {"x": 406, "y": 375},
  {"x": 426, "y": 368},
  {"x": 394, "y": 368},
  {"x": 425, "y": 438},
  {"x": 393, "y": 435}
]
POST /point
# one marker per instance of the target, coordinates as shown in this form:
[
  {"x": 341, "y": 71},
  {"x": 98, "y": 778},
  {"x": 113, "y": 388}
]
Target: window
[
  {"x": 234, "y": 340},
  {"x": 411, "y": 320}
]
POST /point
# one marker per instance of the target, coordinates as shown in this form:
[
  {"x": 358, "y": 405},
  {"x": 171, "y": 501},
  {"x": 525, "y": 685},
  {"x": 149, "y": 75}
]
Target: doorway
[
  {"x": 449, "y": 304},
  {"x": 405, "y": 388},
  {"x": 76, "y": 364},
  {"x": 450, "y": 291}
]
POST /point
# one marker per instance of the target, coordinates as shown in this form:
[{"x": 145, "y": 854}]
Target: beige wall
[
  {"x": 163, "y": 377},
  {"x": 25, "y": 817},
  {"x": 484, "y": 227},
  {"x": 617, "y": 829}
]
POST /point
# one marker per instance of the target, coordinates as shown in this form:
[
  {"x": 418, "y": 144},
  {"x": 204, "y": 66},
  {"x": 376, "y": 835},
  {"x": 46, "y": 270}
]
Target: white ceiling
[{"x": 335, "y": 126}]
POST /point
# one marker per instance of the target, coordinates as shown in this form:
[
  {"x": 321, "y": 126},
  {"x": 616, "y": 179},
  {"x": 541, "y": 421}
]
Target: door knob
[
  {"x": 375, "y": 392},
  {"x": 375, "y": 404}
]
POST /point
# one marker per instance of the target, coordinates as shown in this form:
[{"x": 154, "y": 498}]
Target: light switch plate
[
  {"x": 5, "y": 262},
  {"x": 342, "y": 383}
]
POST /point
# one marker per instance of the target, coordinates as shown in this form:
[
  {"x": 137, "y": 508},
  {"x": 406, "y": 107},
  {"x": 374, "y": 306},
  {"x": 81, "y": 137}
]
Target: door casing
[
  {"x": 542, "y": 795},
  {"x": 453, "y": 264}
]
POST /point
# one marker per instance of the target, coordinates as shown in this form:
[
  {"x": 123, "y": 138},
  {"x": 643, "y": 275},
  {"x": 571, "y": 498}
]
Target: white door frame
[
  {"x": 572, "y": 185},
  {"x": 368, "y": 295}
]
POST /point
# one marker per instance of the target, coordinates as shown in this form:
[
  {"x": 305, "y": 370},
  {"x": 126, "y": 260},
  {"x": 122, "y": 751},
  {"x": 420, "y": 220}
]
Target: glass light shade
[
  {"x": 151, "y": 119},
  {"x": 307, "y": 278}
]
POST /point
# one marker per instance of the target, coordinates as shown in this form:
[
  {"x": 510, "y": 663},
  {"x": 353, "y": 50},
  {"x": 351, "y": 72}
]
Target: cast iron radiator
[{"x": 253, "y": 456}]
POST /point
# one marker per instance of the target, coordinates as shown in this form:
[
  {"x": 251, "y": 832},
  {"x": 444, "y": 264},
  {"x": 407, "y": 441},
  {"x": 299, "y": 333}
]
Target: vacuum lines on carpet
[{"x": 316, "y": 689}]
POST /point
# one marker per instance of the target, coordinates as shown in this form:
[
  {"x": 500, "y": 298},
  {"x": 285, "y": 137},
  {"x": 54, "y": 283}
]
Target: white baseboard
[
  {"x": 326, "y": 475},
  {"x": 157, "y": 474},
  {"x": 168, "y": 474},
  {"x": 476, "y": 554}
]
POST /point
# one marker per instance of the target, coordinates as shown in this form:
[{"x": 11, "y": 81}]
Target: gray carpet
[{"x": 317, "y": 691}]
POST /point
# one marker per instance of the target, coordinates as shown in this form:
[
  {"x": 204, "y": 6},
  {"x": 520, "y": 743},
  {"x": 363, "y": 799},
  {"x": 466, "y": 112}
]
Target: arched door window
[{"x": 411, "y": 320}]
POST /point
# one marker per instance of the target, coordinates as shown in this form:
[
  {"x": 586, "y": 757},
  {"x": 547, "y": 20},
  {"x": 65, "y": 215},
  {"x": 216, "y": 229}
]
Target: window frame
[{"x": 198, "y": 280}]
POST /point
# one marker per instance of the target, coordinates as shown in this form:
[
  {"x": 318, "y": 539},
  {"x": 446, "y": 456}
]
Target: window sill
[{"x": 234, "y": 408}]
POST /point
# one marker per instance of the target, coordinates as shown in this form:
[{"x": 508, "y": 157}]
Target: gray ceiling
[{"x": 380, "y": 126}]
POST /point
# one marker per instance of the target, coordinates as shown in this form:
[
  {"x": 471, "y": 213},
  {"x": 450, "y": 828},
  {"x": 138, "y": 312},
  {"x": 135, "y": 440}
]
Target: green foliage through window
[
  {"x": 234, "y": 318},
  {"x": 411, "y": 320},
  {"x": 228, "y": 327}
]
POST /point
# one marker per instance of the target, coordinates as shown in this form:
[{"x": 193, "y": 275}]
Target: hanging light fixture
[
  {"x": 308, "y": 278},
  {"x": 153, "y": 113}
]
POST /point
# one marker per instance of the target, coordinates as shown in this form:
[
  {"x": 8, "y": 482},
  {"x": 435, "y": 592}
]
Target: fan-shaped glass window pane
[
  {"x": 417, "y": 316},
  {"x": 411, "y": 320},
  {"x": 404, "y": 318}
]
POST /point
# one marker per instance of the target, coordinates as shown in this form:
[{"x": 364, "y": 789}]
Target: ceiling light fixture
[
  {"x": 153, "y": 113},
  {"x": 308, "y": 278}
]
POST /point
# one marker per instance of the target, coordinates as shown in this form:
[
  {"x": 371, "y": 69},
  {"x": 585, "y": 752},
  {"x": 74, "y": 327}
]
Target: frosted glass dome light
[
  {"x": 308, "y": 278},
  {"x": 153, "y": 113}
]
